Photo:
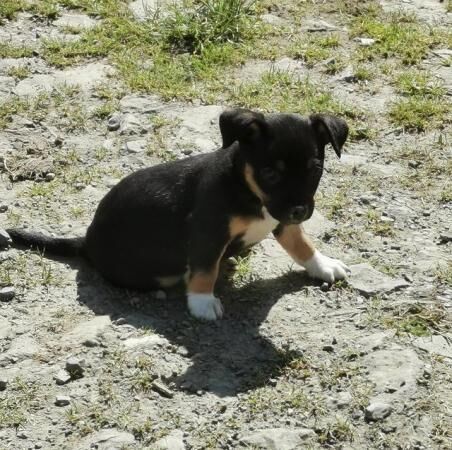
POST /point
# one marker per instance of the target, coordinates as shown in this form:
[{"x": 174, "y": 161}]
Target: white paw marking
[
  {"x": 204, "y": 306},
  {"x": 324, "y": 268}
]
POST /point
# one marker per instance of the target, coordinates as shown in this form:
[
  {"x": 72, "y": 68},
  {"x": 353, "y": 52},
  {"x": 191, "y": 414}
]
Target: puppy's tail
[{"x": 47, "y": 244}]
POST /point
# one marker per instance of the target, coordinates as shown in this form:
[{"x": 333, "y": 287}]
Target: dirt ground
[{"x": 294, "y": 364}]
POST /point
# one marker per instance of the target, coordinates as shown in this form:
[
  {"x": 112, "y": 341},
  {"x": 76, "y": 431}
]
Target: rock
[
  {"x": 396, "y": 368},
  {"x": 49, "y": 176},
  {"x": 23, "y": 347},
  {"x": 62, "y": 377},
  {"x": 444, "y": 238},
  {"x": 174, "y": 441},
  {"x": 137, "y": 146},
  {"x": 62, "y": 400},
  {"x": 368, "y": 281},
  {"x": 107, "y": 439},
  {"x": 364, "y": 42},
  {"x": 76, "y": 367},
  {"x": 90, "y": 329},
  {"x": 142, "y": 9},
  {"x": 5, "y": 239},
  {"x": 140, "y": 104},
  {"x": 22, "y": 435},
  {"x": 436, "y": 345},
  {"x": 131, "y": 124},
  {"x": 277, "y": 438},
  {"x": 341, "y": 400},
  {"x": 273, "y": 19},
  {"x": 145, "y": 341},
  {"x": 77, "y": 21},
  {"x": 162, "y": 389},
  {"x": 113, "y": 123},
  {"x": 377, "y": 411},
  {"x": 3, "y": 383},
  {"x": 90, "y": 343},
  {"x": 3, "y": 208},
  {"x": 316, "y": 25}
]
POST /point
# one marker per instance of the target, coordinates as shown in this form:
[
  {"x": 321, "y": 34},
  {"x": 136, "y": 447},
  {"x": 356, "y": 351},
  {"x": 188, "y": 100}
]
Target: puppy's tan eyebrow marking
[{"x": 251, "y": 182}]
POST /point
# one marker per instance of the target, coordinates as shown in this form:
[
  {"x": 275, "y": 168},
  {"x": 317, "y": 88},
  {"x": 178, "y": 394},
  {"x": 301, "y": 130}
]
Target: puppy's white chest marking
[{"x": 259, "y": 229}]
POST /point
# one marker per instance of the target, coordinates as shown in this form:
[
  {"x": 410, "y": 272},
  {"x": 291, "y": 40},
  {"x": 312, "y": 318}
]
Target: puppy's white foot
[
  {"x": 204, "y": 306},
  {"x": 324, "y": 268}
]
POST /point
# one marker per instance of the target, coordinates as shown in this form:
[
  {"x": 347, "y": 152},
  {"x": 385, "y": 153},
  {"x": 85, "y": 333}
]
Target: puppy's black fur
[{"x": 164, "y": 220}]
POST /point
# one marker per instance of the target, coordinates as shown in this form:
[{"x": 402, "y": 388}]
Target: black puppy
[{"x": 177, "y": 220}]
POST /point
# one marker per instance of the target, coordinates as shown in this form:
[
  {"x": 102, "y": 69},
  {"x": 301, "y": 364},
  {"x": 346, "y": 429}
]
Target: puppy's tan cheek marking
[
  {"x": 251, "y": 182},
  {"x": 296, "y": 243}
]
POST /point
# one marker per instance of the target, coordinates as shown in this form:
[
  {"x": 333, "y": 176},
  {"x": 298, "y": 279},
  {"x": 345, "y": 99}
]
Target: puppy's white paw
[
  {"x": 324, "y": 268},
  {"x": 204, "y": 306}
]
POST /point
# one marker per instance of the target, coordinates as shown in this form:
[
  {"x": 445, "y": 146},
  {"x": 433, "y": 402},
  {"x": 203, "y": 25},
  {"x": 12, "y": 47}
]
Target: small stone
[
  {"x": 113, "y": 123},
  {"x": 62, "y": 377},
  {"x": 5, "y": 239},
  {"x": 445, "y": 237},
  {"x": 121, "y": 321},
  {"x": 313, "y": 26},
  {"x": 377, "y": 411},
  {"x": 137, "y": 146},
  {"x": 328, "y": 348},
  {"x": 90, "y": 343},
  {"x": 3, "y": 208},
  {"x": 325, "y": 287},
  {"x": 62, "y": 400},
  {"x": 7, "y": 293},
  {"x": 58, "y": 141},
  {"x": 414, "y": 164},
  {"x": 3, "y": 384},
  {"x": 162, "y": 389},
  {"x": 187, "y": 151},
  {"x": 365, "y": 42},
  {"x": 50, "y": 176},
  {"x": 75, "y": 367},
  {"x": 22, "y": 435}
]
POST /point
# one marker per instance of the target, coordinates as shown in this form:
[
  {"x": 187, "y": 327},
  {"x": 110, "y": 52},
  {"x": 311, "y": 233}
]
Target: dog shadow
[{"x": 225, "y": 357}]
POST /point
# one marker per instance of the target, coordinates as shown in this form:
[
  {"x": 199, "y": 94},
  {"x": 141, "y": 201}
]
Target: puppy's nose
[{"x": 298, "y": 213}]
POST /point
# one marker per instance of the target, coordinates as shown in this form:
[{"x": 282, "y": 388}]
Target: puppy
[{"x": 177, "y": 220}]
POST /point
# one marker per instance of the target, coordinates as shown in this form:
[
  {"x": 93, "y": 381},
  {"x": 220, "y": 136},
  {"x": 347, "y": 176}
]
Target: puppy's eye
[{"x": 270, "y": 176}]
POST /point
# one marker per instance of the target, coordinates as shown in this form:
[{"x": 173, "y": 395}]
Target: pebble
[
  {"x": 113, "y": 123},
  {"x": 121, "y": 321},
  {"x": 7, "y": 293},
  {"x": 162, "y": 389},
  {"x": 62, "y": 400},
  {"x": 3, "y": 208},
  {"x": 62, "y": 377},
  {"x": 22, "y": 435},
  {"x": 50, "y": 176},
  {"x": 3, "y": 384},
  {"x": 377, "y": 411},
  {"x": 90, "y": 343},
  {"x": 325, "y": 287},
  {"x": 75, "y": 367},
  {"x": 365, "y": 42},
  {"x": 5, "y": 239}
]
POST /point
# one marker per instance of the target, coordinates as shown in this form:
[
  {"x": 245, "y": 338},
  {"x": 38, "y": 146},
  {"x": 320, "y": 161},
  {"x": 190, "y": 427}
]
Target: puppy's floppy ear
[
  {"x": 242, "y": 125},
  {"x": 330, "y": 130}
]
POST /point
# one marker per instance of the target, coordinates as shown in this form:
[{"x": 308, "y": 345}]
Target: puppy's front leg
[{"x": 293, "y": 239}]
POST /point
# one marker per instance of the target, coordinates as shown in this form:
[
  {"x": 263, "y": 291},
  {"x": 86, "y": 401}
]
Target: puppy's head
[{"x": 283, "y": 156}]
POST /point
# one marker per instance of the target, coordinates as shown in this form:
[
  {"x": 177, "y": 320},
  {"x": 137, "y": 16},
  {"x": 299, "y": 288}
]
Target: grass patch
[
  {"x": 420, "y": 113},
  {"x": 418, "y": 320},
  {"x": 314, "y": 49},
  {"x": 416, "y": 83},
  {"x": 20, "y": 399},
  {"x": 10, "y": 8},
  {"x": 443, "y": 274},
  {"x": 19, "y": 72},
  {"x": 398, "y": 36},
  {"x": 8, "y": 50},
  {"x": 377, "y": 226}
]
